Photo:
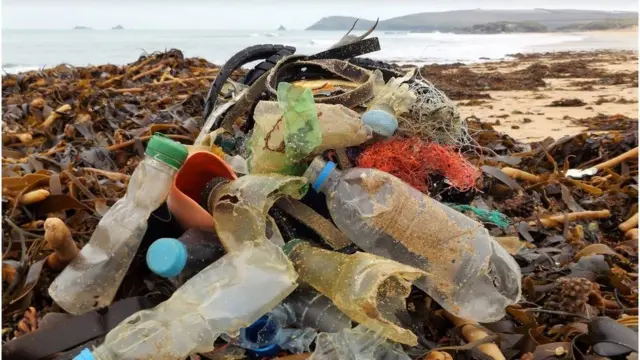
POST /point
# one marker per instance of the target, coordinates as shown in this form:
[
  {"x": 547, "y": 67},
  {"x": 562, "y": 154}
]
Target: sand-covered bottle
[
  {"x": 92, "y": 279},
  {"x": 467, "y": 271},
  {"x": 370, "y": 289}
]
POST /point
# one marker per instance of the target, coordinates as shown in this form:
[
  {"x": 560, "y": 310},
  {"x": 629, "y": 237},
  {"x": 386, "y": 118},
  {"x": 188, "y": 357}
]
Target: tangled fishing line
[{"x": 413, "y": 160}]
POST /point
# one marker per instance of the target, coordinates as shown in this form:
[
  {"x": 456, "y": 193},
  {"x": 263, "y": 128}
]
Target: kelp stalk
[{"x": 579, "y": 215}]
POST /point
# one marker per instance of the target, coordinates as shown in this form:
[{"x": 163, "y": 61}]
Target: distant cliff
[
  {"x": 602, "y": 25},
  {"x": 505, "y": 27},
  {"x": 118, "y": 27},
  {"x": 464, "y": 20},
  {"x": 81, "y": 28}
]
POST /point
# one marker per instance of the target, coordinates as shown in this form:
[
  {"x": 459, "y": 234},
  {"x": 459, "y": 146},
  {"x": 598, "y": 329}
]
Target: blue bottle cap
[
  {"x": 167, "y": 257},
  {"x": 85, "y": 354}
]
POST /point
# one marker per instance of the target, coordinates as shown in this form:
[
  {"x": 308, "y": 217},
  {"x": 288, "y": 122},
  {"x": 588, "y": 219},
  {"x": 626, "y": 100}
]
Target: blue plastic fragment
[{"x": 381, "y": 122}]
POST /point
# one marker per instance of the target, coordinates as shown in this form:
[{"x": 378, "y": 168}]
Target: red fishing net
[{"x": 413, "y": 160}]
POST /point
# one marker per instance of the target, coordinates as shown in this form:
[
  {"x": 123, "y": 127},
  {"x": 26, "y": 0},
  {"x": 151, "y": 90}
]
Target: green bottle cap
[{"x": 166, "y": 150}]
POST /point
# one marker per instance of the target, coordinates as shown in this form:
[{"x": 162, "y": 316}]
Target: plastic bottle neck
[
  {"x": 322, "y": 175},
  {"x": 330, "y": 182}
]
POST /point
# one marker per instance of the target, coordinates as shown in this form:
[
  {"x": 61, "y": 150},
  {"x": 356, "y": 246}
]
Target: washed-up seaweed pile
[
  {"x": 459, "y": 81},
  {"x": 607, "y": 122},
  {"x": 564, "y": 55},
  {"x": 72, "y": 136},
  {"x": 574, "y": 243}
]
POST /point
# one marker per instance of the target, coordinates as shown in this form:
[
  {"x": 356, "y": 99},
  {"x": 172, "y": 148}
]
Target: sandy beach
[{"x": 605, "y": 82}]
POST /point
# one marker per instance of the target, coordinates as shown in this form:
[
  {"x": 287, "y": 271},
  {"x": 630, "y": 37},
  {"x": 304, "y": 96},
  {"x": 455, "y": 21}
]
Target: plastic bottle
[
  {"x": 268, "y": 335},
  {"x": 355, "y": 344},
  {"x": 228, "y": 295},
  {"x": 240, "y": 207},
  {"x": 92, "y": 279},
  {"x": 316, "y": 311},
  {"x": 370, "y": 289},
  {"x": 288, "y": 130},
  {"x": 467, "y": 271},
  {"x": 180, "y": 259}
]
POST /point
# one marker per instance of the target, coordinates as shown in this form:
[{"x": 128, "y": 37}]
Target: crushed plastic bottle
[
  {"x": 370, "y": 289},
  {"x": 317, "y": 311},
  {"x": 340, "y": 126},
  {"x": 299, "y": 130},
  {"x": 92, "y": 279},
  {"x": 358, "y": 343},
  {"x": 467, "y": 271},
  {"x": 180, "y": 259},
  {"x": 221, "y": 299},
  {"x": 215, "y": 301},
  {"x": 269, "y": 334},
  {"x": 240, "y": 207},
  {"x": 308, "y": 128}
]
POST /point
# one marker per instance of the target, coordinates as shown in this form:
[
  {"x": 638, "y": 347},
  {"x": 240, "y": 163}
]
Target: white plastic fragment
[{"x": 579, "y": 174}]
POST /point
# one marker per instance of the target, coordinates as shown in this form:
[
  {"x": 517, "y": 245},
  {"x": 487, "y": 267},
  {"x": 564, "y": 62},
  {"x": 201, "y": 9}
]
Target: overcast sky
[{"x": 246, "y": 14}]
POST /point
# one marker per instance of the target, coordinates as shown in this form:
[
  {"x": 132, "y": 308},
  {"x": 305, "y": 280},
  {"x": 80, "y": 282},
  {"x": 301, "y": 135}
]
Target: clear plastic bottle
[
  {"x": 180, "y": 259},
  {"x": 317, "y": 311},
  {"x": 370, "y": 289},
  {"x": 355, "y": 344},
  {"x": 467, "y": 271},
  {"x": 92, "y": 279},
  {"x": 271, "y": 333},
  {"x": 230, "y": 294}
]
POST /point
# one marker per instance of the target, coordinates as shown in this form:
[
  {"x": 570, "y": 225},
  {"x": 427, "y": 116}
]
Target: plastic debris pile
[{"x": 322, "y": 206}]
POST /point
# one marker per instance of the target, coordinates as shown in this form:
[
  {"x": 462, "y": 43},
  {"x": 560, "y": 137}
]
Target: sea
[{"x": 24, "y": 50}]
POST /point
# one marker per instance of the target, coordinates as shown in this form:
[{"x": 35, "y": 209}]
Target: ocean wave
[
  {"x": 14, "y": 68},
  {"x": 328, "y": 42},
  {"x": 12, "y": 65}
]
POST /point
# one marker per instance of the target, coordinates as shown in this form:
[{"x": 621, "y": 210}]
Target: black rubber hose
[{"x": 245, "y": 56}]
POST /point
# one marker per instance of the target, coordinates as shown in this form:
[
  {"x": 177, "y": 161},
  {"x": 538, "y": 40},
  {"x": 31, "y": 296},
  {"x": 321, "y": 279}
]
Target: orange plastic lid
[{"x": 199, "y": 168}]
